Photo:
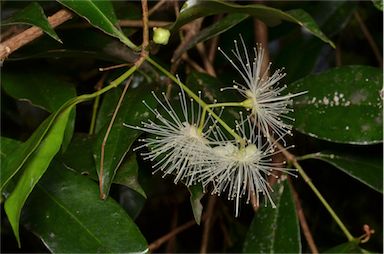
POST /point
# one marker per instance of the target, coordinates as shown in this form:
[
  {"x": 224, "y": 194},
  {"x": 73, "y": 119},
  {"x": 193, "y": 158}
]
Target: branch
[
  {"x": 103, "y": 195},
  {"x": 144, "y": 6},
  {"x": 156, "y": 244},
  {"x": 369, "y": 38},
  {"x": 208, "y": 224},
  {"x": 303, "y": 222},
  {"x": 14, "y": 43}
]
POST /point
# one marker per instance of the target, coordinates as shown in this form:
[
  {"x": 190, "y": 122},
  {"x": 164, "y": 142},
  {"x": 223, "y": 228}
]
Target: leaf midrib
[{"x": 70, "y": 214}]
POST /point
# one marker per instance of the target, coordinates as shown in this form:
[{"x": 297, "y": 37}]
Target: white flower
[
  {"x": 175, "y": 142},
  {"x": 262, "y": 91},
  {"x": 241, "y": 169}
]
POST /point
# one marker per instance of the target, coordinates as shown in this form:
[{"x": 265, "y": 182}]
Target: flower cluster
[{"x": 195, "y": 148}]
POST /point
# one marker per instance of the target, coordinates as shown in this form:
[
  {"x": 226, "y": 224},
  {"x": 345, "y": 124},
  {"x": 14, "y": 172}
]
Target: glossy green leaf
[
  {"x": 332, "y": 18},
  {"x": 34, "y": 15},
  {"x": 378, "y": 4},
  {"x": 42, "y": 89},
  {"x": 99, "y": 14},
  {"x": 348, "y": 247},
  {"x": 275, "y": 230},
  {"x": 34, "y": 170},
  {"x": 66, "y": 213},
  {"x": 132, "y": 111},
  {"x": 127, "y": 173},
  {"x": 197, "y": 194},
  {"x": 366, "y": 169},
  {"x": 211, "y": 31},
  {"x": 342, "y": 105},
  {"x": 7, "y": 147},
  {"x": 271, "y": 16},
  {"x": 49, "y": 92},
  {"x": 16, "y": 160}
]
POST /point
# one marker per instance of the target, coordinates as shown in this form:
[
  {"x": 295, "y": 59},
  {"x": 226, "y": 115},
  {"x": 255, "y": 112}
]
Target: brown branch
[
  {"x": 156, "y": 7},
  {"x": 338, "y": 54},
  {"x": 103, "y": 195},
  {"x": 261, "y": 34},
  {"x": 369, "y": 38},
  {"x": 144, "y": 6},
  {"x": 9, "y": 46},
  {"x": 156, "y": 244},
  {"x": 171, "y": 242},
  {"x": 192, "y": 63},
  {"x": 207, "y": 64},
  {"x": 303, "y": 222},
  {"x": 208, "y": 224},
  {"x": 213, "y": 49},
  {"x": 139, "y": 23}
]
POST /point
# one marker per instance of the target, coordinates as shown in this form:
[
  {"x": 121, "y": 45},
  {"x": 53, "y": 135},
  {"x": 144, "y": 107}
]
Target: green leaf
[
  {"x": 366, "y": 169},
  {"x": 34, "y": 169},
  {"x": 275, "y": 230},
  {"x": 34, "y": 15},
  {"x": 271, "y": 16},
  {"x": 213, "y": 30},
  {"x": 66, "y": 213},
  {"x": 342, "y": 105},
  {"x": 49, "y": 92},
  {"x": 127, "y": 173},
  {"x": 348, "y": 247},
  {"x": 332, "y": 18},
  {"x": 99, "y": 14},
  {"x": 132, "y": 111},
  {"x": 7, "y": 147},
  {"x": 378, "y": 4},
  {"x": 197, "y": 194},
  {"x": 16, "y": 159}
]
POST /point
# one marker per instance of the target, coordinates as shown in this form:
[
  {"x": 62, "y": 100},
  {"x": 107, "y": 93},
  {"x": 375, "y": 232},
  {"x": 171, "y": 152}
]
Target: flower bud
[{"x": 161, "y": 35}]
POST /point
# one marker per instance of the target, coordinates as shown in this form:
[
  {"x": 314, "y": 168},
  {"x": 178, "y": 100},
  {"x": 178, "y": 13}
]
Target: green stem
[
  {"x": 86, "y": 97},
  {"x": 94, "y": 115},
  {"x": 308, "y": 156},
  {"x": 204, "y": 105},
  {"x": 322, "y": 200},
  {"x": 226, "y": 104}
]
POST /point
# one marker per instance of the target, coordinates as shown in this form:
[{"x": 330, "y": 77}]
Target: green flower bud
[{"x": 161, "y": 35}]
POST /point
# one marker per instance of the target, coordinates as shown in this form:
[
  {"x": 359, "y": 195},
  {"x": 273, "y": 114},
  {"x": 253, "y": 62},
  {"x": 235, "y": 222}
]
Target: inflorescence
[{"x": 196, "y": 149}]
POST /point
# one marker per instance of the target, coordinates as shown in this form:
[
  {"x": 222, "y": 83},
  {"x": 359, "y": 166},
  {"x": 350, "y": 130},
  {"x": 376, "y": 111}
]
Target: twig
[
  {"x": 144, "y": 6},
  {"x": 192, "y": 31},
  {"x": 156, "y": 244},
  {"x": 113, "y": 67},
  {"x": 139, "y": 23},
  {"x": 95, "y": 107},
  {"x": 156, "y": 7},
  {"x": 9, "y": 46},
  {"x": 207, "y": 64},
  {"x": 213, "y": 49},
  {"x": 103, "y": 195},
  {"x": 369, "y": 38},
  {"x": 292, "y": 159},
  {"x": 303, "y": 222},
  {"x": 192, "y": 63},
  {"x": 171, "y": 242},
  {"x": 261, "y": 34},
  {"x": 208, "y": 224}
]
